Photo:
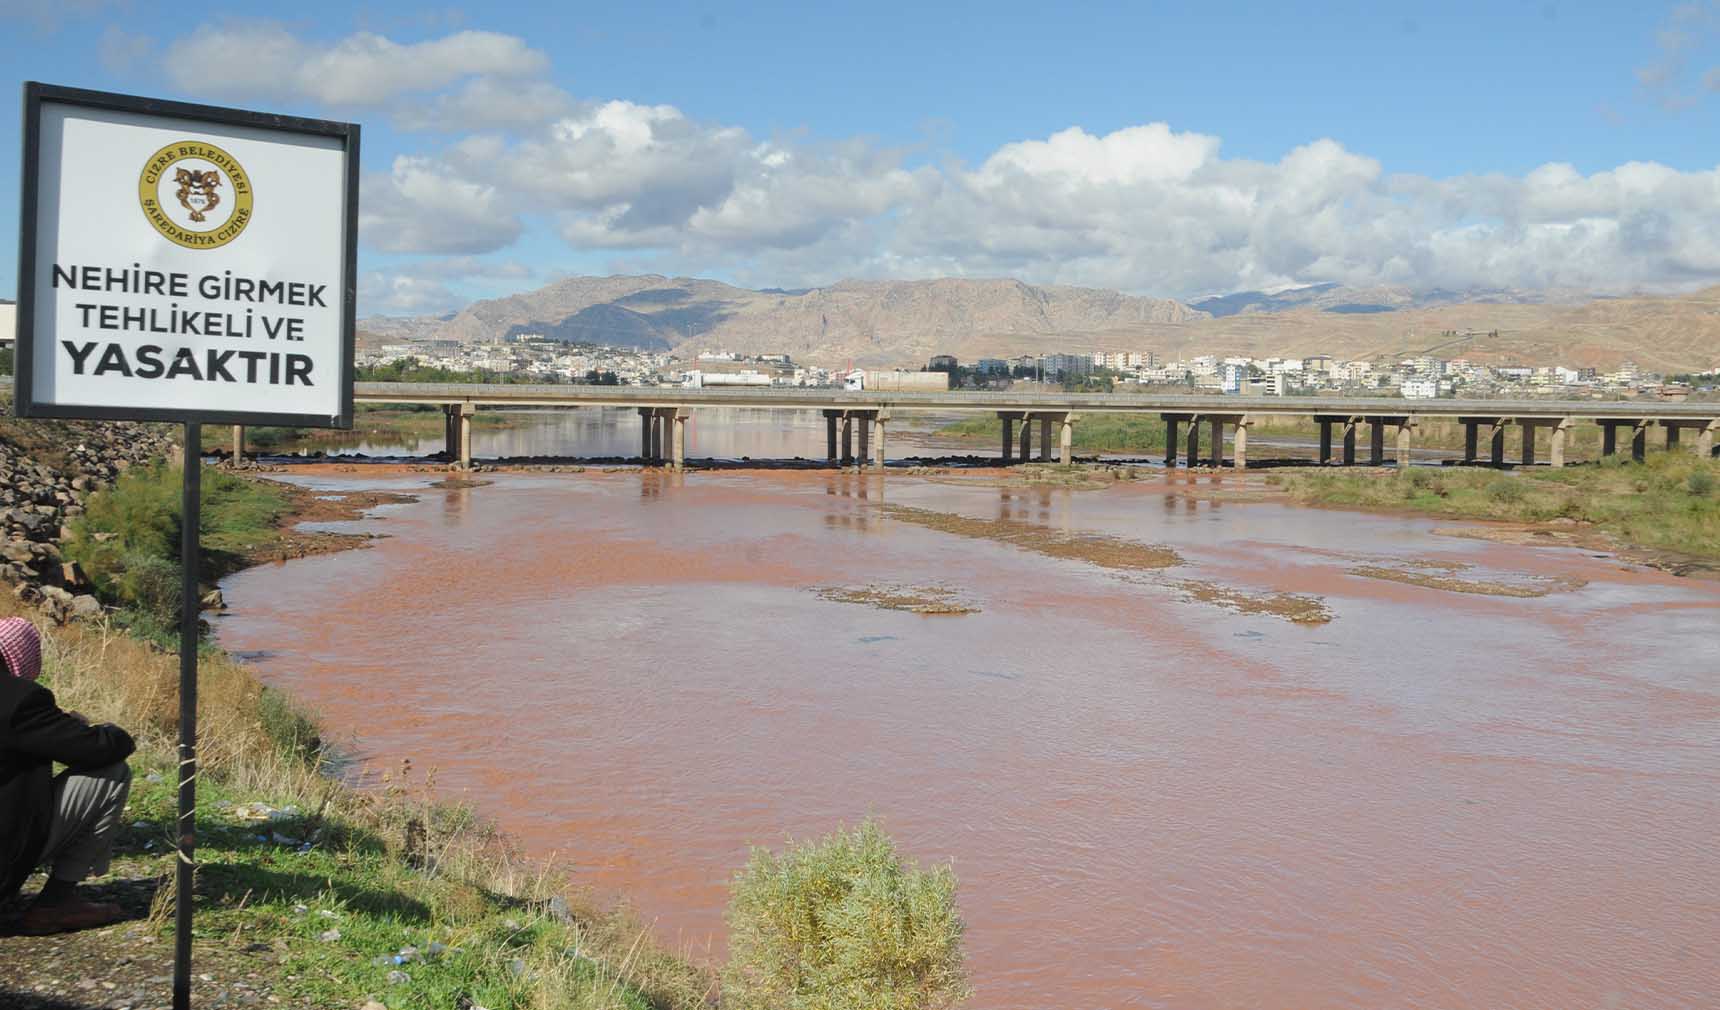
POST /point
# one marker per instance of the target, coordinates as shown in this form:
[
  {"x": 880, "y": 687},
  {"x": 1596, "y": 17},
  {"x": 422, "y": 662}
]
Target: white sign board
[{"x": 185, "y": 263}]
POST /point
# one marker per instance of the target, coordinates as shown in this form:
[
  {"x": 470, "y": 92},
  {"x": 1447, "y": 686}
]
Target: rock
[
  {"x": 17, "y": 551},
  {"x": 212, "y": 600},
  {"x": 558, "y": 910},
  {"x": 398, "y": 977},
  {"x": 86, "y": 608},
  {"x": 329, "y": 935}
]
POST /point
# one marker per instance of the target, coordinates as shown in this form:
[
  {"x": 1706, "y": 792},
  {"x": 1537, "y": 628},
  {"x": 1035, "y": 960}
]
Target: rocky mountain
[
  {"x": 1371, "y": 300},
  {"x": 905, "y": 322},
  {"x": 867, "y": 322}
]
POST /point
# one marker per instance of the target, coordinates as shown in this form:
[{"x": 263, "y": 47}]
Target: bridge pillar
[
  {"x": 1556, "y": 442},
  {"x": 1217, "y": 424},
  {"x": 450, "y": 431},
  {"x": 1171, "y": 421},
  {"x": 1193, "y": 441},
  {"x": 1350, "y": 442},
  {"x": 878, "y": 421},
  {"x": 1026, "y": 437},
  {"x": 1405, "y": 429},
  {"x": 1528, "y": 458},
  {"x": 1609, "y": 439},
  {"x": 1325, "y": 440},
  {"x": 1498, "y": 444},
  {"x": 1469, "y": 441},
  {"x": 847, "y": 439},
  {"x": 863, "y": 421},
  {"x": 238, "y": 443},
  {"x": 645, "y": 422},
  {"x": 464, "y": 421},
  {"x": 1066, "y": 440},
  {"x": 830, "y": 418},
  {"x": 678, "y": 440},
  {"x": 1241, "y": 442},
  {"x": 1671, "y": 436},
  {"x": 1007, "y": 420},
  {"x": 1639, "y": 442},
  {"x": 1705, "y": 439},
  {"x": 1377, "y": 441}
]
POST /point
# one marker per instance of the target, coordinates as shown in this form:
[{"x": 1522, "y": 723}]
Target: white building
[{"x": 1419, "y": 389}]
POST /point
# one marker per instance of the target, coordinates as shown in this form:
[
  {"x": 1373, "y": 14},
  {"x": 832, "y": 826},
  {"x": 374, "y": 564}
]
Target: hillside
[{"x": 905, "y": 322}]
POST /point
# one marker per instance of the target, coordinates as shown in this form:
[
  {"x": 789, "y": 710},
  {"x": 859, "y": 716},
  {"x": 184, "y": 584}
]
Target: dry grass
[
  {"x": 929, "y": 600},
  {"x": 1093, "y": 548},
  {"x": 397, "y": 841},
  {"x": 1523, "y": 588}
]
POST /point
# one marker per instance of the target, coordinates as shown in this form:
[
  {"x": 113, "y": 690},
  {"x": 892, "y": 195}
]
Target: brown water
[{"x": 1436, "y": 800}]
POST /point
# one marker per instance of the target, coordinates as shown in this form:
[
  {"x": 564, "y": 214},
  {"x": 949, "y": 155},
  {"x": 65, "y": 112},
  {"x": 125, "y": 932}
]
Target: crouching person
[{"x": 66, "y": 821}]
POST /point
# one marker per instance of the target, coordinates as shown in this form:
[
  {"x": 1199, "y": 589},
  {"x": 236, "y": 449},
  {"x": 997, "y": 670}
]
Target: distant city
[{"x": 530, "y": 357}]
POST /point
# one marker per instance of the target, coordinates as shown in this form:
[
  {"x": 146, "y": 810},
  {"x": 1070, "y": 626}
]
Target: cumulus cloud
[
  {"x": 489, "y": 103},
  {"x": 263, "y": 59},
  {"x": 1146, "y": 208},
  {"x": 420, "y": 207}
]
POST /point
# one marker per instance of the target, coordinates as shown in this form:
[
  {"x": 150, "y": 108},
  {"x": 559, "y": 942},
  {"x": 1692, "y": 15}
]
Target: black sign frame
[{"x": 36, "y": 95}]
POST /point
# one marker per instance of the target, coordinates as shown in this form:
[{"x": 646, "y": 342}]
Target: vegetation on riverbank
[
  {"x": 1670, "y": 502},
  {"x": 1093, "y": 432},
  {"x": 354, "y": 895},
  {"x": 1145, "y": 434}
]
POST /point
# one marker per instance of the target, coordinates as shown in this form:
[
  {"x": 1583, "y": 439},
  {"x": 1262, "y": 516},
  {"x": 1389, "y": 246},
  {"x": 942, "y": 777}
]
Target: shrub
[
  {"x": 1700, "y": 482},
  {"x": 1504, "y": 490},
  {"x": 127, "y": 540},
  {"x": 842, "y": 924}
]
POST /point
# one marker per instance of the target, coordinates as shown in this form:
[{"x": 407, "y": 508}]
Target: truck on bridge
[{"x": 896, "y": 381}]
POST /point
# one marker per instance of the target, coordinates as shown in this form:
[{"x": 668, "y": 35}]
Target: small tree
[{"x": 842, "y": 924}]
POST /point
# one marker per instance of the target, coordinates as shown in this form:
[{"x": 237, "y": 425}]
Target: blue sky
[{"x": 1169, "y": 149}]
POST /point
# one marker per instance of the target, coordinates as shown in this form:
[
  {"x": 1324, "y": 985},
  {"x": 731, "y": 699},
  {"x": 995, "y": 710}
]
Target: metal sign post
[
  {"x": 192, "y": 264},
  {"x": 190, "y": 606}
]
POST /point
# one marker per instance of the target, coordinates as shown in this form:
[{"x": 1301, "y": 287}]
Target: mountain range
[{"x": 905, "y": 322}]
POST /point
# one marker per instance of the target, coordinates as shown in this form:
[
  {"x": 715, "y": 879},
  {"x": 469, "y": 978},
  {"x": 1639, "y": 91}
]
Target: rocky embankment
[{"x": 48, "y": 470}]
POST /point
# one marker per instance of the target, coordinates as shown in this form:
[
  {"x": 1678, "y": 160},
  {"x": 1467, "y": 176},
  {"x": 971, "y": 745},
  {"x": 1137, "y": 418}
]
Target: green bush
[
  {"x": 127, "y": 540},
  {"x": 842, "y": 924},
  {"x": 1505, "y": 491},
  {"x": 1700, "y": 482}
]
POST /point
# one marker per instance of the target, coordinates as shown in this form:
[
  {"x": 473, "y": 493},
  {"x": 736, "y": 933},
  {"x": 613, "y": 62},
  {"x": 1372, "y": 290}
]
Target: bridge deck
[{"x": 1056, "y": 402}]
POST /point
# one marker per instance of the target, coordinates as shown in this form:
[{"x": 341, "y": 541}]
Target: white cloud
[
  {"x": 382, "y": 292},
  {"x": 1146, "y": 208},
  {"x": 265, "y": 60},
  {"x": 489, "y": 103},
  {"x": 419, "y": 207}
]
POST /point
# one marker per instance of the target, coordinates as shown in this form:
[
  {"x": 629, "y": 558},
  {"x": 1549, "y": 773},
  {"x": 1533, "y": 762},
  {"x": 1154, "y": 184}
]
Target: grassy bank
[
  {"x": 391, "y": 425},
  {"x": 1137, "y": 434},
  {"x": 1093, "y": 432},
  {"x": 334, "y": 883},
  {"x": 1671, "y": 502}
]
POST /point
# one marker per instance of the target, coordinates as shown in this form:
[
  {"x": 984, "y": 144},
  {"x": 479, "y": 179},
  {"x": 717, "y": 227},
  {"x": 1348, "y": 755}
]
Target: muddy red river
[{"x": 1157, "y": 790}]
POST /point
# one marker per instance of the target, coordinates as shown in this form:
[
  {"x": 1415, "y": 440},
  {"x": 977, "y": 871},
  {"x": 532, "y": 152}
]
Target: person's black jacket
[{"x": 34, "y": 733}]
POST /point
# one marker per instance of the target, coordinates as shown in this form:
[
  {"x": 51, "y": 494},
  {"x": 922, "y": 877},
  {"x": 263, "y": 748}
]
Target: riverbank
[
  {"x": 311, "y": 892},
  {"x": 1666, "y": 509},
  {"x": 1121, "y": 433}
]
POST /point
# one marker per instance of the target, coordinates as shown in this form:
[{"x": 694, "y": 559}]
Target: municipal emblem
[{"x": 195, "y": 194}]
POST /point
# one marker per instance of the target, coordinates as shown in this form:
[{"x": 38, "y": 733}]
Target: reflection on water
[
  {"x": 1435, "y": 801},
  {"x": 712, "y": 433}
]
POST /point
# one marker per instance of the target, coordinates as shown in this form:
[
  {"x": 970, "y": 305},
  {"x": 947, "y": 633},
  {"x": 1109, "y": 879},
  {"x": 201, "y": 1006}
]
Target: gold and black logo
[{"x": 195, "y": 194}]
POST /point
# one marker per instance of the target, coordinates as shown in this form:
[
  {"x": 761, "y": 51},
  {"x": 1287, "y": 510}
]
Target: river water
[{"x": 1438, "y": 799}]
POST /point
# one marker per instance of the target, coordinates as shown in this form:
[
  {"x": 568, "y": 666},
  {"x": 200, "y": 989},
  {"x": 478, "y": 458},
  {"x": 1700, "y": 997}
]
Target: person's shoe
[{"x": 67, "y": 916}]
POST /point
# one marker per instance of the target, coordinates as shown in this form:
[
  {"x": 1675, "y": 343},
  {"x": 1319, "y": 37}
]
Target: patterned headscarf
[{"x": 20, "y": 648}]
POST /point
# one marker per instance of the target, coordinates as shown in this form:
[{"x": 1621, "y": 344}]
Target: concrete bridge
[{"x": 863, "y": 418}]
